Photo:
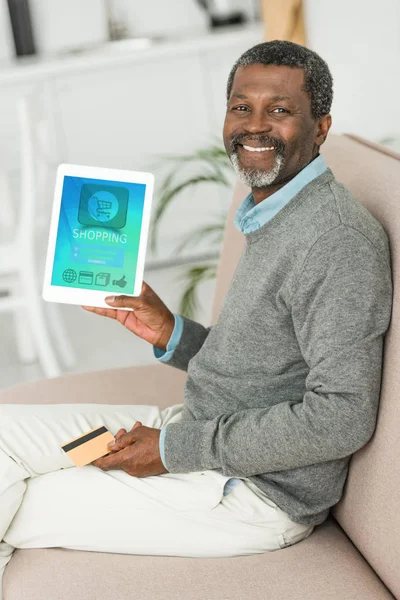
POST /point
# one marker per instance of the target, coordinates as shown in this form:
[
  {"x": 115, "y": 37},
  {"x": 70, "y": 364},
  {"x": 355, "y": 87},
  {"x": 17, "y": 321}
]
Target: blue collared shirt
[{"x": 249, "y": 217}]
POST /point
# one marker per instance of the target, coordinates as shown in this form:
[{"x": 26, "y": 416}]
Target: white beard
[{"x": 257, "y": 178}]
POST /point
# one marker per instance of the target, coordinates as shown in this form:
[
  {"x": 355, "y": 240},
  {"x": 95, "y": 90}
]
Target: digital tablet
[{"x": 98, "y": 234}]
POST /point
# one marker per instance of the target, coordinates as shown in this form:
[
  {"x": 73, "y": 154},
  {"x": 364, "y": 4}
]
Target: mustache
[{"x": 262, "y": 140}]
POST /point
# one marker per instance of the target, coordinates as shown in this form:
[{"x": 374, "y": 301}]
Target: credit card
[{"x": 89, "y": 446}]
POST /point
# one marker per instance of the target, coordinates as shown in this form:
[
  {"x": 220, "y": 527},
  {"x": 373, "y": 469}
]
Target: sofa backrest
[{"x": 369, "y": 511}]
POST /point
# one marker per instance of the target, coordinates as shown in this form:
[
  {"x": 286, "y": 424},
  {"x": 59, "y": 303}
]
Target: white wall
[
  {"x": 6, "y": 37},
  {"x": 360, "y": 41}
]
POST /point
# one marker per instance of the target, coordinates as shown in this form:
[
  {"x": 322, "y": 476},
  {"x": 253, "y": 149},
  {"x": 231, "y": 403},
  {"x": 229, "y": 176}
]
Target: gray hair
[{"x": 318, "y": 78}]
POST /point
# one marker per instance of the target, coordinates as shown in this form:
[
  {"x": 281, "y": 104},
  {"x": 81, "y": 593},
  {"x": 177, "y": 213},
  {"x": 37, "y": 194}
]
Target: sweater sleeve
[
  {"x": 192, "y": 336},
  {"x": 341, "y": 307}
]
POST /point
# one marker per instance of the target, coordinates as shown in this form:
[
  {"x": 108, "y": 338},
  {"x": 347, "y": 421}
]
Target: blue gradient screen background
[{"x": 92, "y": 252}]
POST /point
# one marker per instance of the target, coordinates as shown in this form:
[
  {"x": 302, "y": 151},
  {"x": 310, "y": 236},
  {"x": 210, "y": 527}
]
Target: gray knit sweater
[{"x": 284, "y": 388}]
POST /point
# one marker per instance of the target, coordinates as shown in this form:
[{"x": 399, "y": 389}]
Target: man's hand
[
  {"x": 150, "y": 319},
  {"x": 137, "y": 452}
]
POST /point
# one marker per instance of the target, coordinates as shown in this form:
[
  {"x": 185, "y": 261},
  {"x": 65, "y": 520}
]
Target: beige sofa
[{"x": 354, "y": 555}]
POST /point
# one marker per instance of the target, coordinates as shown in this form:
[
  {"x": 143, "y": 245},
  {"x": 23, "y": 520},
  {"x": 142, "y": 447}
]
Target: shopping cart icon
[
  {"x": 103, "y": 205},
  {"x": 104, "y": 209}
]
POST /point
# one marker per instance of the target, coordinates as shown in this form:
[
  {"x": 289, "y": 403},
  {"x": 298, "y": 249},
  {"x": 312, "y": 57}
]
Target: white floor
[{"x": 101, "y": 343}]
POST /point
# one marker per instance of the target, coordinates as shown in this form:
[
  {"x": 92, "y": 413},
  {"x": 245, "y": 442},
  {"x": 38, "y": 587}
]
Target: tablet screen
[{"x": 98, "y": 234}]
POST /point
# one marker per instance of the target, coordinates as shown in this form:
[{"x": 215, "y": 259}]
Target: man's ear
[{"x": 323, "y": 125}]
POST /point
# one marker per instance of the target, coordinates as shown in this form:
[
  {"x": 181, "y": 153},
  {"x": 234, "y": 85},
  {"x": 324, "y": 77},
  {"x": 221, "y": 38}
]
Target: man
[{"x": 280, "y": 392}]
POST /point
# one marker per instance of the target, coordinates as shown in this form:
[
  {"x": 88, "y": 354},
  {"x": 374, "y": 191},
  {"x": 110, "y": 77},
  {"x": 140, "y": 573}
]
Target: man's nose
[{"x": 258, "y": 122}]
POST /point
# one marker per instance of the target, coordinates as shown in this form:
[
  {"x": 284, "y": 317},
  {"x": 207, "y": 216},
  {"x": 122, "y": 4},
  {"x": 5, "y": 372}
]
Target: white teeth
[{"x": 256, "y": 149}]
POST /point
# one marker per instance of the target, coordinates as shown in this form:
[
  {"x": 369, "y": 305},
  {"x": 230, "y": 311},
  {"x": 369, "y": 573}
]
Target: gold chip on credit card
[{"x": 89, "y": 446}]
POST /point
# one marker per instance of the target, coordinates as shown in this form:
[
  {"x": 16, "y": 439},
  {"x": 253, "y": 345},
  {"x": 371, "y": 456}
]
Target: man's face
[{"x": 269, "y": 132}]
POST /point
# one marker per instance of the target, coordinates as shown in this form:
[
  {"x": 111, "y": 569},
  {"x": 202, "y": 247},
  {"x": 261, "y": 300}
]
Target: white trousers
[{"x": 46, "y": 501}]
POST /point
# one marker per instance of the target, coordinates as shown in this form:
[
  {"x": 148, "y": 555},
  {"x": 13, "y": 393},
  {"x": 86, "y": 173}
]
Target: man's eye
[
  {"x": 280, "y": 108},
  {"x": 240, "y": 108}
]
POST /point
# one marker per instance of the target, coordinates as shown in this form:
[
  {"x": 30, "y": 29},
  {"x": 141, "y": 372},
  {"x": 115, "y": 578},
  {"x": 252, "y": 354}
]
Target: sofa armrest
[{"x": 158, "y": 384}]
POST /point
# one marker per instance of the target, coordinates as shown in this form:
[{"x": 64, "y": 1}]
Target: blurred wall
[
  {"x": 360, "y": 40},
  {"x": 6, "y": 36}
]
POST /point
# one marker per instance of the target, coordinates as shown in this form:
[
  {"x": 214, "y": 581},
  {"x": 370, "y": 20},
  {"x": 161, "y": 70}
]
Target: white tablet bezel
[{"x": 67, "y": 295}]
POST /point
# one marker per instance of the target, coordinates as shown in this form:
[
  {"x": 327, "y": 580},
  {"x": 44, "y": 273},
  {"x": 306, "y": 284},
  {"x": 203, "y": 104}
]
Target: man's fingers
[
  {"x": 119, "y": 433},
  {"x": 131, "y": 301},
  {"x": 124, "y": 440},
  {"x": 117, "y": 436},
  {"x": 104, "y": 312},
  {"x": 114, "y": 460},
  {"x": 147, "y": 290},
  {"x": 123, "y": 301}
]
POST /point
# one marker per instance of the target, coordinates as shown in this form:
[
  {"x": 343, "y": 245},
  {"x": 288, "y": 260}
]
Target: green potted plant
[{"x": 211, "y": 166}]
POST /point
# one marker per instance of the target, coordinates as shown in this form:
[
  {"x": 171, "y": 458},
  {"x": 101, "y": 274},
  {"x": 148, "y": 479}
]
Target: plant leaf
[
  {"x": 211, "y": 153},
  {"x": 215, "y": 231},
  {"x": 213, "y": 157},
  {"x": 170, "y": 193}
]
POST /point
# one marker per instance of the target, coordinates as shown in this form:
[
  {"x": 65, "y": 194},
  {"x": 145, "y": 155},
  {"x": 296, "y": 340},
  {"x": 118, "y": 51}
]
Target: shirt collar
[{"x": 250, "y": 216}]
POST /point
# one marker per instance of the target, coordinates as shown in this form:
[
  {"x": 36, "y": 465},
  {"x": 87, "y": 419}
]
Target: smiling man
[
  {"x": 284, "y": 388},
  {"x": 279, "y": 99},
  {"x": 280, "y": 392}
]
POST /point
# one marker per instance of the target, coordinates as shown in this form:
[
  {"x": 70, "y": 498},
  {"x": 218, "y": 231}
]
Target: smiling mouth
[{"x": 257, "y": 148}]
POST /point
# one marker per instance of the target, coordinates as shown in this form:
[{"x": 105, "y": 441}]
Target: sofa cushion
[{"x": 325, "y": 565}]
